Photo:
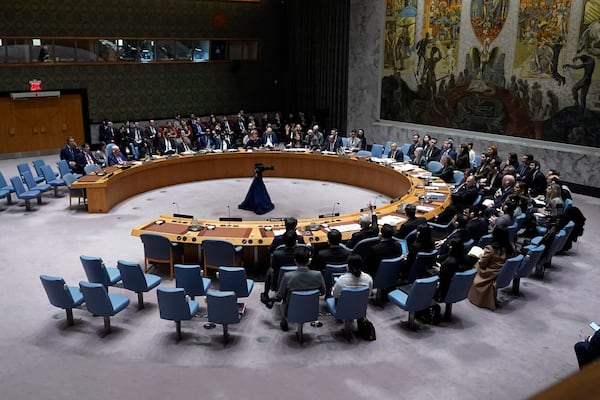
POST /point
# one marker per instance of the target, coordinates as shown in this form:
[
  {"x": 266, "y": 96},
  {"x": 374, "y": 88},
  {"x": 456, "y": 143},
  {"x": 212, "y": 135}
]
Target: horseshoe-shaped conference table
[{"x": 401, "y": 182}]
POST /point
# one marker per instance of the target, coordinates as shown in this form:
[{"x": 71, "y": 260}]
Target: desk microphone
[
  {"x": 333, "y": 209},
  {"x": 177, "y": 207},
  {"x": 228, "y": 211},
  {"x": 178, "y": 213}
]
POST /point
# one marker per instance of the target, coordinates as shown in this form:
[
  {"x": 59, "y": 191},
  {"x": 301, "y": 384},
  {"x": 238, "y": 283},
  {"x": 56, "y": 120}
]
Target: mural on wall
[{"x": 544, "y": 95}]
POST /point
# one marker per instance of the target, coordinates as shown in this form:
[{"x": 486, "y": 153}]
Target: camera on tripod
[{"x": 259, "y": 168}]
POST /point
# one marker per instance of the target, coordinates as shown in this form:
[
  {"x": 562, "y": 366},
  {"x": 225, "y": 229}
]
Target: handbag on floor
[{"x": 366, "y": 330}]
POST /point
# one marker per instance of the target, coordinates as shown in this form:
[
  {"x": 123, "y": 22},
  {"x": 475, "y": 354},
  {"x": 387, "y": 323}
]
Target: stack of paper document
[
  {"x": 391, "y": 220},
  {"x": 347, "y": 227}
]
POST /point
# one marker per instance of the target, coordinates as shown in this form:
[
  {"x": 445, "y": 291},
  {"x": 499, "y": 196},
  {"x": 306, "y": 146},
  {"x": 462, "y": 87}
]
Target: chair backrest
[
  {"x": 17, "y": 184},
  {"x": 69, "y": 179},
  {"x": 567, "y": 204},
  {"x": 63, "y": 168},
  {"x": 520, "y": 220},
  {"x": 423, "y": 262},
  {"x": 405, "y": 149},
  {"x": 411, "y": 237},
  {"x": 387, "y": 273},
  {"x": 377, "y": 150},
  {"x": 362, "y": 247},
  {"x": 29, "y": 180},
  {"x": 89, "y": 168},
  {"x": 132, "y": 276},
  {"x": 303, "y": 306},
  {"x": 533, "y": 256},
  {"x": 555, "y": 245},
  {"x": 364, "y": 153},
  {"x": 218, "y": 252},
  {"x": 48, "y": 174},
  {"x": 421, "y": 293},
  {"x": 512, "y": 231},
  {"x": 459, "y": 176},
  {"x": 233, "y": 279},
  {"x": 387, "y": 147},
  {"x": 96, "y": 298},
  {"x": 568, "y": 228},
  {"x": 172, "y": 304},
  {"x": 345, "y": 141},
  {"x": 22, "y": 168},
  {"x": 485, "y": 240},
  {"x": 477, "y": 200},
  {"x": 459, "y": 286},
  {"x": 156, "y": 246},
  {"x": 189, "y": 278},
  {"x": 352, "y": 303},
  {"x": 3, "y": 182},
  {"x": 95, "y": 270},
  {"x": 109, "y": 149},
  {"x": 434, "y": 166},
  {"x": 58, "y": 294},
  {"x": 284, "y": 269},
  {"x": 477, "y": 160},
  {"x": 222, "y": 307},
  {"x": 508, "y": 270},
  {"x": 37, "y": 165}
]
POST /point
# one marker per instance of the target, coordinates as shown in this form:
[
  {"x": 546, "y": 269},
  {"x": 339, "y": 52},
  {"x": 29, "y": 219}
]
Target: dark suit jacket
[
  {"x": 435, "y": 154},
  {"x": 282, "y": 257},
  {"x": 278, "y": 241},
  {"x": 273, "y": 138},
  {"x": 301, "y": 279},
  {"x": 399, "y": 156},
  {"x": 379, "y": 251},
  {"x": 409, "y": 226},
  {"x": 446, "y": 174},
  {"x": 465, "y": 196},
  {"x": 162, "y": 147},
  {"x": 372, "y": 231},
  {"x": 112, "y": 159},
  {"x": 333, "y": 255},
  {"x": 327, "y": 146},
  {"x": 67, "y": 153}
]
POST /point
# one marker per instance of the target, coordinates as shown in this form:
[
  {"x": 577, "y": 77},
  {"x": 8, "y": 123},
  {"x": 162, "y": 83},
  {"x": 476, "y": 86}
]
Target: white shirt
[{"x": 349, "y": 280}]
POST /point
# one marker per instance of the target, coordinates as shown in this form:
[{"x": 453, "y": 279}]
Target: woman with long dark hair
[
  {"x": 483, "y": 292},
  {"x": 354, "y": 277}
]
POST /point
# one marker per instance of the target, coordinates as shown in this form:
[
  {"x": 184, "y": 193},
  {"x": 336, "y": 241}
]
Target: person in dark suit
[
  {"x": 388, "y": 247},
  {"x": 254, "y": 142},
  {"x": 165, "y": 145},
  {"x": 395, "y": 153},
  {"x": 83, "y": 158},
  {"x": 150, "y": 135},
  {"x": 335, "y": 254},
  {"x": 448, "y": 149},
  {"x": 413, "y": 146},
  {"x": 301, "y": 279},
  {"x": 465, "y": 194},
  {"x": 411, "y": 224},
  {"x": 368, "y": 228},
  {"x": 588, "y": 350},
  {"x": 269, "y": 138},
  {"x": 280, "y": 257},
  {"x": 290, "y": 225},
  {"x": 422, "y": 243},
  {"x": 537, "y": 180},
  {"x": 453, "y": 263},
  {"x": 116, "y": 157},
  {"x": 432, "y": 152},
  {"x": 331, "y": 144},
  {"x": 69, "y": 153},
  {"x": 107, "y": 132},
  {"x": 447, "y": 172}
]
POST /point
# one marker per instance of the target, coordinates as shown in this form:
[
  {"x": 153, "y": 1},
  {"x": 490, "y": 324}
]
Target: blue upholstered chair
[
  {"x": 345, "y": 142},
  {"x": 423, "y": 262},
  {"x": 551, "y": 250},
  {"x": 405, "y": 149},
  {"x": 159, "y": 249},
  {"x": 512, "y": 231},
  {"x": 485, "y": 240},
  {"x": 329, "y": 272},
  {"x": 189, "y": 278},
  {"x": 33, "y": 185},
  {"x": 418, "y": 298},
  {"x": 234, "y": 279},
  {"x": 441, "y": 231},
  {"x": 63, "y": 168},
  {"x": 351, "y": 305},
  {"x": 51, "y": 178},
  {"x": 62, "y": 296},
  {"x": 37, "y": 165},
  {"x": 386, "y": 276},
  {"x": 459, "y": 176},
  {"x": 173, "y": 306},
  {"x": 377, "y": 150},
  {"x": 507, "y": 273},
  {"x": 458, "y": 290},
  {"x": 520, "y": 220},
  {"x": 363, "y": 153},
  {"x": 223, "y": 309},
  {"x": 363, "y": 247},
  {"x": 101, "y": 303},
  {"x": 25, "y": 195},
  {"x": 24, "y": 167},
  {"x": 89, "y": 168},
  {"x": 532, "y": 258},
  {"x": 135, "y": 280},
  {"x": 303, "y": 306},
  {"x": 218, "y": 253},
  {"x": 74, "y": 193},
  {"x": 434, "y": 167},
  {"x": 284, "y": 269},
  {"x": 97, "y": 272},
  {"x": 5, "y": 186}
]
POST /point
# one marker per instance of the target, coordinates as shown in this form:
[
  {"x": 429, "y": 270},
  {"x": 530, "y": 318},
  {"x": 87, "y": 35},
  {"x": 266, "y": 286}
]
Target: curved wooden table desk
[{"x": 103, "y": 192}]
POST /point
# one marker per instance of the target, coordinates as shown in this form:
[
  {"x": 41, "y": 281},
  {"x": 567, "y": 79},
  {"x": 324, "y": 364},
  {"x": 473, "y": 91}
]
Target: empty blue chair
[
  {"x": 22, "y": 168},
  {"x": 386, "y": 276},
  {"x": 377, "y": 150},
  {"x": 284, "y": 269},
  {"x": 135, "y": 280},
  {"x": 62, "y": 296},
  {"x": 424, "y": 261},
  {"x": 5, "y": 186},
  {"x": 97, "y": 272},
  {"x": 434, "y": 167},
  {"x": 173, "y": 306},
  {"x": 189, "y": 278},
  {"x": 458, "y": 290},
  {"x": 37, "y": 165},
  {"x": 345, "y": 142},
  {"x": 159, "y": 249},
  {"x": 363, "y": 153},
  {"x": 51, "y": 178},
  {"x": 32, "y": 185},
  {"x": 418, "y": 298},
  {"x": 405, "y": 149},
  {"x": 507, "y": 273},
  {"x": 459, "y": 176},
  {"x": 303, "y": 306},
  {"x": 532, "y": 258},
  {"x": 234, "y": 279},
  {"x": 329, "y": 272},
  {"x": 223, "y": 309},
  {"x": 351, "y": 305},
  {"x": 23, "y": 194},
  {"x": 218, "y": 253},
  {"x": 101, "y": 303}
]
